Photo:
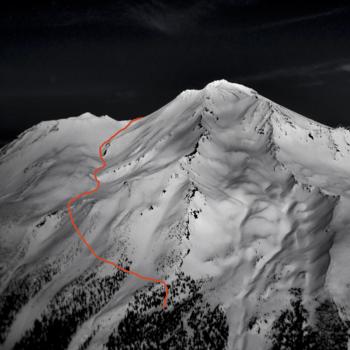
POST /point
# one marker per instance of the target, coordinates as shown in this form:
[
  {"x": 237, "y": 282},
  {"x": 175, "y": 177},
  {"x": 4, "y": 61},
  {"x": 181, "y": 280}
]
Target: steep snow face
[{"x": 240, "y": 204}]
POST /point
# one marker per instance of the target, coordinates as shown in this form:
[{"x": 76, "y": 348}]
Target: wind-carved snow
[{"x": 221, "y": 189}]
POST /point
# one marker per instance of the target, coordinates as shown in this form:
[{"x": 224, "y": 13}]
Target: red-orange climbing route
[{"x": 95, "y": 189}]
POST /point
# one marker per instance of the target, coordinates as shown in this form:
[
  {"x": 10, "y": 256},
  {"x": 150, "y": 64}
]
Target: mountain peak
[
  {"x": 220, "y": 85},
  {"x": 226, "y": 85}
]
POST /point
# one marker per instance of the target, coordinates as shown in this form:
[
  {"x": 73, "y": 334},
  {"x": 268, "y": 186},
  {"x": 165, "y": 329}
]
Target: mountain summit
[{"x": 240, "y": 204}]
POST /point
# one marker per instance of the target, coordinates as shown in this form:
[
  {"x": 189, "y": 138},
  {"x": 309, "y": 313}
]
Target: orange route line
[{"x": 95, "y": 189}]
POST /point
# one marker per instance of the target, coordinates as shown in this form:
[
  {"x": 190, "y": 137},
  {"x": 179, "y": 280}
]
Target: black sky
[{"x": 124, "y": 59}]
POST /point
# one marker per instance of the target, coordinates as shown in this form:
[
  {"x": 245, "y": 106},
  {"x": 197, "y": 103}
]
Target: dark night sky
[{"x": 124, "y": 59}]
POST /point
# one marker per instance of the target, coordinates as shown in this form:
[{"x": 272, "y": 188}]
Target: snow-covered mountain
[{"x": 241, "y": 205}]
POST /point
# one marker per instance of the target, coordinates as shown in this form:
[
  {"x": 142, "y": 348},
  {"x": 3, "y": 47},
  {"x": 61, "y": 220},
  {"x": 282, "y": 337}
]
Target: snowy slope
[{"x": 240, "y": 204}]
